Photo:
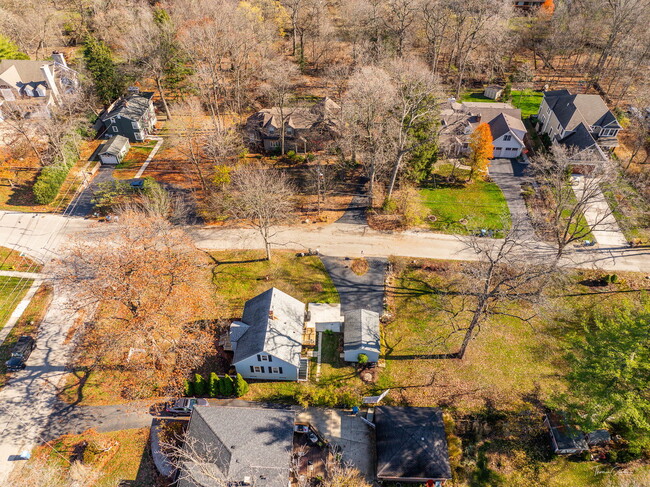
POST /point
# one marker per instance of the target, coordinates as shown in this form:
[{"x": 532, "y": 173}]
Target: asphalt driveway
[
  {"x": 366, "y": 291},
  {"x": 509, "y": 176}
]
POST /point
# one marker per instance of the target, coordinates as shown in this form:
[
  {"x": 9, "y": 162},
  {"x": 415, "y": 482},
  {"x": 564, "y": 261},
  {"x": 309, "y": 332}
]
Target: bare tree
[
  {"x": 261, "y": 197},
  {"x": 278, "y": 84},
  {"x": 366, "y": 112}
]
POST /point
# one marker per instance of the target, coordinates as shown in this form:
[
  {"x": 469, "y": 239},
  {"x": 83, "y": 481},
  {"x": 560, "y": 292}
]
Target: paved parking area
[{"x": 348, "y": 432}]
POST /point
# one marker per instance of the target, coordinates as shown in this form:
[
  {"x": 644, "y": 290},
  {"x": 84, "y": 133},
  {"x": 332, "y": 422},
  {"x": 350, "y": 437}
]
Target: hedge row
[
  {"x": 49, "y": 182},
  {"x": 215, "y": 386}
]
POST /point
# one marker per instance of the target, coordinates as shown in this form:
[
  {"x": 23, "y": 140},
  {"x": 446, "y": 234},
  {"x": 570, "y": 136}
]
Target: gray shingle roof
[
  {"x": 115, "y": 145},
  {"x": 504, "y": 123},
  {"x": 133, "y": 107},
  {"x": 580, "y": 138},
  {"x": 571, "y": 110},
  {"x": 411, "y": 443},
  {"x": 276, "y": 322},
  {"x": 241, "y": 442},
  {"x": 361, "y": 330}
]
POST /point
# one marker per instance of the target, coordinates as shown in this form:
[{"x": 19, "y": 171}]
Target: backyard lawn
[
  {"x": 528, "y": 101},
  {"x": 127, "y": 462},
  {"x": 461, "y": 207}
]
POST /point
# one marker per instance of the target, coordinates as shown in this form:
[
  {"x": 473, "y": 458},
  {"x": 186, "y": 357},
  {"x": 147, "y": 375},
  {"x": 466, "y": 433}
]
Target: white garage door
[{"x": 108, "y": 159}]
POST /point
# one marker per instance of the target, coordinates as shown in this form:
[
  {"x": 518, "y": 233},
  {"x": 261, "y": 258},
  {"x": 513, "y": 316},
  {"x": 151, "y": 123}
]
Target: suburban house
[
  {"x": 114, "y": 150},
  {"x": 411, "y": 445},
  {"x": 459, "y": 120},
  {"x": 580, "y": 122},
  {"x": 241, "y": 445},
  {"x": 267, "y": 342},
  {"x": 361, "y": 335},
  {"x": 133, "y": 117},
  {"x": 32, "y": 87},
  {"x": 493, "y": 91},
  {"x": 565, "y": 440},
  {"x": 306, "y": 128}
]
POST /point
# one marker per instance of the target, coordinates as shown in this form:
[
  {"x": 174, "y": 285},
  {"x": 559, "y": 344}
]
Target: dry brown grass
[{"x": 359, "y": 266}]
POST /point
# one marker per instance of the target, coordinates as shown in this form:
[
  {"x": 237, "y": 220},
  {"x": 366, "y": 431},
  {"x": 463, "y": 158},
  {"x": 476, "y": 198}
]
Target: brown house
[{"x": 306, "y": 128}]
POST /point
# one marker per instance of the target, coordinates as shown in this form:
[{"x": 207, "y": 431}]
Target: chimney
[
  {"x": 49, "y": 77},
  {"x": 478, "y": 117},
  {"x": 58, "y": 57}
]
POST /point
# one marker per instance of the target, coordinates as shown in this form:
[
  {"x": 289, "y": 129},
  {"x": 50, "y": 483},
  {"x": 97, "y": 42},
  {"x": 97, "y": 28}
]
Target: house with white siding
[{"x": 267, "y": 342}]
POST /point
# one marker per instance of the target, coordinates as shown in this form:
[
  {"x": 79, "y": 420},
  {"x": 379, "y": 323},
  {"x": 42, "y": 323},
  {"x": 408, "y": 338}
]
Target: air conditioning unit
[{"x": 247, "y": 481}]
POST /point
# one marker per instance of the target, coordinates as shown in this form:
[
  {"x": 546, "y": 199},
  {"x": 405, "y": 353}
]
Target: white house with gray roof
[
  {"x": 267, "y": 342},
  {"x": 361, "y": 335},
  {"x": 240, "y": 445},
  {"x": 580, "y": 122}
]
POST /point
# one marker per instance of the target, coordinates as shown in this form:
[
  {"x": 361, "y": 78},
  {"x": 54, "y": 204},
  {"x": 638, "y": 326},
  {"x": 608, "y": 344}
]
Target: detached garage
[
  {"x": 361, "y": 335},
  {"x": 114, "y": 150}
]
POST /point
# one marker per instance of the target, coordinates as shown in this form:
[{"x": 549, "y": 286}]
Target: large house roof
[
  {"x": 275, "y": 325},
  {"x": 361, "y": 330},
  {"x": 572, "y": 110},
  {"x": 18, "y": 72},
  {"x": 133, "y": 107},
  {"x": 241, "y": 442},
  {"x": 411, "y": 443},
  {"x": 326, "y": 111}
]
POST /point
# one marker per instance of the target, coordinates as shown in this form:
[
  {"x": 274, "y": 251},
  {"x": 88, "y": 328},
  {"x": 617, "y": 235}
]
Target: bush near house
[
  {"x": 241, "y": 386},
  {"x": 199, "y": 385},
  {"x": 225, "y": 386}
]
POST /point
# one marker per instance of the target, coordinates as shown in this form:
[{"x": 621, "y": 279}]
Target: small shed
[
  {"x": 493, "y": 92},
  {"x": 565, "y": 440},
  {"x": 114, "y": 150},
  {"x": 361, "y": 335}
]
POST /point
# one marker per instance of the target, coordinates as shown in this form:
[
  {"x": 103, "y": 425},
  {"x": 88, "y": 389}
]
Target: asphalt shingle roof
[
  {"x": 361, "y": 330},
  {"x": 504, "y": 123},
  {"x": 580, "y": 138},
  {"x": 572, "y": 110},
  {"x": 275, "y": 325},
  {"x": 411, "y": 443},
  {"x": 114, "y": 145},
  {"x": 239, "y": 442},
  {"x": 132, "y": 107}
]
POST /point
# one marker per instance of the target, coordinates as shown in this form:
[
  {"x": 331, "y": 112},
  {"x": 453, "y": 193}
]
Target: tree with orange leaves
[
  {"x": 481, "y": 149},
  {"x": 548, "y": 7}
]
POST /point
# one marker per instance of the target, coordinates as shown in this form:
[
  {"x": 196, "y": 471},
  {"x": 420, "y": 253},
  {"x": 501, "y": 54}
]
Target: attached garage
[
  {"x": 361, "y": 335},
  {"x": 114, "y": 150}
]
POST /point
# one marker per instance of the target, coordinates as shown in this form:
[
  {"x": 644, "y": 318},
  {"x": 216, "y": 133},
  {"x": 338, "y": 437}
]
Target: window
[
  {"x": 289, "y": 131},
  {"x": 506, "y": 138},
  {"x": 257, "y": 369},
  {"x": 497, "y": 149},
  {"x": 135, "y": 125},
  {"x": 276, "y": 370},
  {"x": 608, "y": 132},
  {"x": 264, "y": 358},
  {"x": 114, "y": 128},
  {"x": 271, "y": 129}
]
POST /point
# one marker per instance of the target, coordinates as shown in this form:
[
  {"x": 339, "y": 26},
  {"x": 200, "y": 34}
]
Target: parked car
[
  {"x": 301, "y": 428},
  {"x": 184, "y": 406},
  {"x": 21, "y": 352},
  {"x": 137, "y": 183}
]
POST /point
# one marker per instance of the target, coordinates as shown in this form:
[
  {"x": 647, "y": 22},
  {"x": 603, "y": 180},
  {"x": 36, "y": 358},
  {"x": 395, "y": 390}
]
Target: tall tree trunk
[
  {"x": 476, "y": 319},
  {"x": 163, "y": 99},
  {"x": 393, "y": 176}
]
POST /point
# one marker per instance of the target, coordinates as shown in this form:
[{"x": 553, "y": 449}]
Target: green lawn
[
  {"x": 528, "y": 101},
  {"x": 12, "y": 290},
  {"x": 464, "y": 207},
  {"x": 12, "y": 260}
]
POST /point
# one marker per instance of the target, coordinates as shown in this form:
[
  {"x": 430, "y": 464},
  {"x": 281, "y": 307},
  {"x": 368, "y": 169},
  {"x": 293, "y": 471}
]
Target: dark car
[
  {"x": 137, "y": 183},
  {"x": 20, "y": 353},
  {"x": 184, "y": 406}
]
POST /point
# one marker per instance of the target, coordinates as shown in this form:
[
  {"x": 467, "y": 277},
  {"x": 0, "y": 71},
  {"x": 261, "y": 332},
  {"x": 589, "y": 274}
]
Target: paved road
[
  {"x": 508, "y": 175},
  {"x": 366, "y": 291}
]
